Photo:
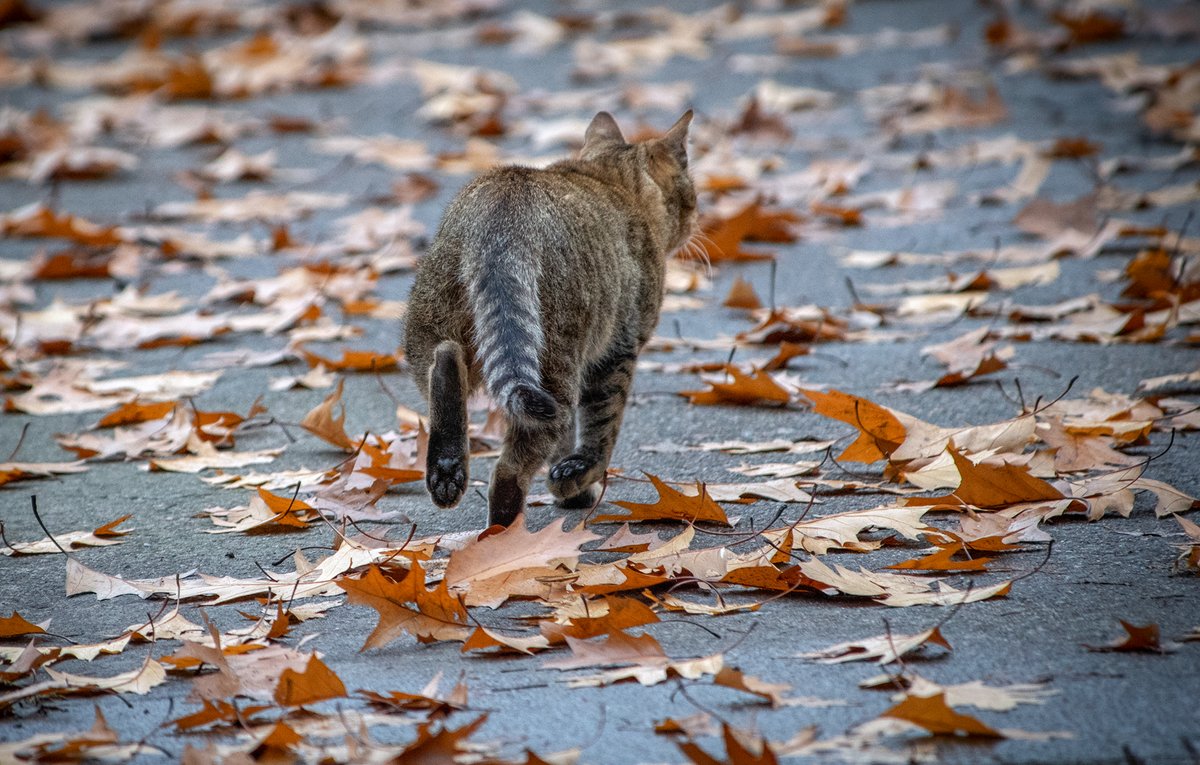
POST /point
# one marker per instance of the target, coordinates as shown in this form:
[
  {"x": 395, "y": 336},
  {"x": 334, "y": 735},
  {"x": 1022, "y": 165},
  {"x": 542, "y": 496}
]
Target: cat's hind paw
[
  {"x": 573, "y": 474},
  {"x": 446, "y": 479}
]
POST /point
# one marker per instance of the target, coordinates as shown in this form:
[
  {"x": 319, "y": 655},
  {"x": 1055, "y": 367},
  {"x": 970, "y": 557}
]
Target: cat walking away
[{"x": 543, "y": 286}]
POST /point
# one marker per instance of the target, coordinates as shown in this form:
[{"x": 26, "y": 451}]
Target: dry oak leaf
[
  {"x": 99, "y": 744},
  {"x": 428, "y": 699},
  {"x": 943, "y": 560},
  {"x": 1137, "y": 639},
  {"x": 736, "y": 679},
  {"x": 746, "y": 389},
  {"x": 322, "y": 423},
  {"x": 742, "y": 295},
  {"x": 14, "y": 625},
  {"x": 218, "y": 711},
  {"x": 841, "y": 530},
  {"x": 934, "y": 715},
  {"x": 672, "y": 505},
  {"x": 21, "y": 471},
  {"x": 37, "y": 220},
  {"x": 138, "y": 681},
  {"x": 407, "y": 607},
  {"x": 606, "y": 616},
  {"x": 990, "y": 487},
  {"x": 316, "y": 683},
  {"x": 354, "y": 361},
  {"x": 513, "y": 549},
  {"x": 101, "y": 536},
  {"x": 880, "y": 432},
  {"x": 653, "y": 674},
  {"x": 615, "y": 649},
  {"x": 436, "y": 744},
  {"x": 751, "y": 223},
  {"x": 882, "y": 649},
  {"x": 740, "y": 749}
]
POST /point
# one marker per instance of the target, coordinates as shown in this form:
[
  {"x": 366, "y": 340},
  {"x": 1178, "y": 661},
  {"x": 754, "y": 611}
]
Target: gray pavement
[{"x": 1119, "y": 707}]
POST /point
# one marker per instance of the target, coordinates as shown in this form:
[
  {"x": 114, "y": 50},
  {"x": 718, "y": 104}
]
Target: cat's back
[{"x": 553, "y": 203}]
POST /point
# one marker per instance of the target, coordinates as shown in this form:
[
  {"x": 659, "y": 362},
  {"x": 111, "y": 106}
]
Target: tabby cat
[{"x": 544, "y": 285}]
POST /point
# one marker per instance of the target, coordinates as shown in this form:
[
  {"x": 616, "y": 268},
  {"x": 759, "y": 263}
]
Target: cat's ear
[
  {"x": 675, "y": 139},
  {"x": 601, "y": 133}
]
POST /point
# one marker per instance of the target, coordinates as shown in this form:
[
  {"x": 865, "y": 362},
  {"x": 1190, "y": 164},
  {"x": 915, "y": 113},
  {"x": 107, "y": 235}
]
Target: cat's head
[{"x": 656, "y": 171}]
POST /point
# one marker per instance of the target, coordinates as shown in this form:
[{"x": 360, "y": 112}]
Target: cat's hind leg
[
  {"x": 446, "y": 462},
  {"x": 576, "y": 478},
  {"x": 526, "y": 448}
]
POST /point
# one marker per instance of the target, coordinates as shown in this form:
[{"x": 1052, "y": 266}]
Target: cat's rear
[{"x": 542, "y": 285}]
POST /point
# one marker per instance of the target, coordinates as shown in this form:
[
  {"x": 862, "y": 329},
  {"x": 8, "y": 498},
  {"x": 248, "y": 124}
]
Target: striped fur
[{"x": 503, "y": 286}]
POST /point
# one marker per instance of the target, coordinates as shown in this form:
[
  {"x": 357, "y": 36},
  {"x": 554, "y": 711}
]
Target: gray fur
[{"x": 549, "y": 282}]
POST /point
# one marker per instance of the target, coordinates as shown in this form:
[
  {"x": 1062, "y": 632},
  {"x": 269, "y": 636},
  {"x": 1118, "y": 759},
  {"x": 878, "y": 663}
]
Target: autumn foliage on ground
[{"x": 925, "y": 511}]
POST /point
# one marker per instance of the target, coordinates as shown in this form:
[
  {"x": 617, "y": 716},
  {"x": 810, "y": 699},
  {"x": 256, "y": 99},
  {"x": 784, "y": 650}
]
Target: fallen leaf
[{"x": 672, "y": 505}]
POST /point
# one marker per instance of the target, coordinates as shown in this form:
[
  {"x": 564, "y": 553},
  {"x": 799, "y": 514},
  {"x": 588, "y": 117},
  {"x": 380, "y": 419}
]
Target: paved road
[{"x": 1140, "y": 707}]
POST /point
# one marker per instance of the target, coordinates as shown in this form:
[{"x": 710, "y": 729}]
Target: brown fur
[{"x": 543, "y": 285}]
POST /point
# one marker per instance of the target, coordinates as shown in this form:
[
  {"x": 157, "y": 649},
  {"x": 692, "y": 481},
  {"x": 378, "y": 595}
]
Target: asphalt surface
[{"x": 1119, "y": 707}]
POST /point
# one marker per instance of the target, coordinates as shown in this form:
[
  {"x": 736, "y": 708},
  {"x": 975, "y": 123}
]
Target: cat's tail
[{"x": 508, "y": 333}]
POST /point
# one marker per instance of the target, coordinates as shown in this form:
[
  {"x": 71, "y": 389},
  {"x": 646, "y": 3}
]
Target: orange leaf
[
  {"x": 407, "y": 607},
  {"x": 745, "y": 389},
  {"x": 845, "y": 216},
  {"x": 40, "y": 221},
  {"x": 288, "y": 510},
  {"x": 943, "y": 560},
  {"x": 443, "y": 746},
  {"x": 354, "y": 361},
  {"x": 1137, "y": 639},
  {"x": 724, "y": 237},
  {"x": 622, "y": 614},
  {"x": 991, "y": 486},
  {"x": 742, "y": 295},
  {"x": 757, "y": 752},
  {"x": 672, "y": 505},
  {"x": 217, "y": 710},
  {"x": 934, "y": 715},
  {"x": 317, "y": 683},
  {"x": 11, "y": 626},
  {"x": 133, "y": 412},
  {"x": 324, "y": 425},
  {"x": 72, "y": 264},
  {"x": 880, "y": 433}
]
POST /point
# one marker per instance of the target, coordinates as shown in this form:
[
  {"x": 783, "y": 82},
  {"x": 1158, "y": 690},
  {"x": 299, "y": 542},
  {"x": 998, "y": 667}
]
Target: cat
[{"x": 543, "y": 285}]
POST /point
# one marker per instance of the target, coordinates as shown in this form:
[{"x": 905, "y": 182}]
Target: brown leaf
[
  {"x": 615, "y": 649},
  {"x": 880, "y": 432},
  {"x": 613, "y": 614},
  {"x": 513, "y": 549},
  {"x": 754, "y": 751},
  {"x": 322, "y": 423},
  {"x": 756, "y": 388},
  {"x": 14, "y": 625},
  {"x": 882, "y": 649},
  {"x": 316, "y": 683},
  {"x": 943, "y": 560},
  {"x": 989, "y": 486},
  {"x": 672, "y": 505},
  {"x": 407, "y": 607},
  {"x": 742, "y": 295},
  {"x": 733, "y": 678},
  {"x": 1137, "y": 639},
  {"x": 934, "y": 715},
  {"x": 436, "y": 744},
  {"x": 355, "y": 361}
]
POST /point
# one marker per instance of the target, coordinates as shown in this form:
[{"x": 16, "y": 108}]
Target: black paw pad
[
  {"x": 571, "y": 467},
  {"x": 446, "y": 479}
]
